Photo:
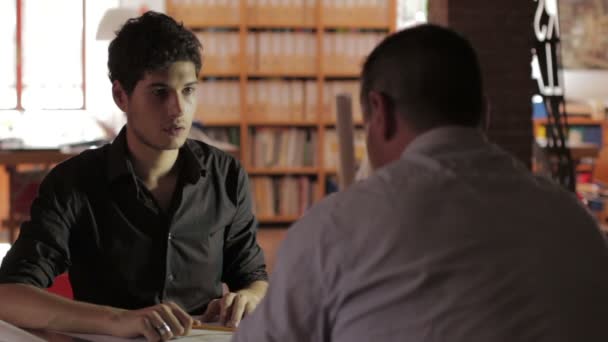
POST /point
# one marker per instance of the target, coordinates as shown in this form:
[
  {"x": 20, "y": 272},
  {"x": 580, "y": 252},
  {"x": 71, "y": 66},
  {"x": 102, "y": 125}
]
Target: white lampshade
[
  {"x": 4, "y": 247},
  {"x": 112, "y": 20}
]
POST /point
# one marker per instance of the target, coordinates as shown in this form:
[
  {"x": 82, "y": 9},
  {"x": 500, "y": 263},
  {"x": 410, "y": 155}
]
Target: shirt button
[{"x": 171, "y": 277}]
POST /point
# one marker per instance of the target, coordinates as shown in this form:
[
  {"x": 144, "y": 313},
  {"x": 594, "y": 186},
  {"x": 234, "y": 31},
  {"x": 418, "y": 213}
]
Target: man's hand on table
[
  {"x": 230, "y": 309},
  {"x": 156, "y": 323}
]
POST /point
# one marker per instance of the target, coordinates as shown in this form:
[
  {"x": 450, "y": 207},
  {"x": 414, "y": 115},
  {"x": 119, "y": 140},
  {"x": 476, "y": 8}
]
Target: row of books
[
  {"x": 282, "y": 100},
  {"x": 282, "y": 196},
  {"x": 274, "y": 100},
  {"x": 577, "y": 134},
  {"x": 272, "y": 146},
  {"x": 283, "y": 147},
  {"x": 280, "y": 12},
  {"x": 220, "y": 51},
  {"x": 287, "y": 52},
  {"x": 354, "y": 12},
  {"x": 331, "y": 89},
  {"x": 344, "y": 52},
  {"x": 205, "y": 12},
  {"x": 332, "y": 149},
  {"x": 218, "y": 101},
  {"x": 230, "y": 135}
]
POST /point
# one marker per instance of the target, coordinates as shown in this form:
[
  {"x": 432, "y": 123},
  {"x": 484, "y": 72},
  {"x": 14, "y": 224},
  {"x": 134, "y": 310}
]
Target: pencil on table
[{"x": 204, "y": 326}]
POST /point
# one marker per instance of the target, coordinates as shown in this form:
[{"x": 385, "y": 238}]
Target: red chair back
[{"x": 62, "y": 286}]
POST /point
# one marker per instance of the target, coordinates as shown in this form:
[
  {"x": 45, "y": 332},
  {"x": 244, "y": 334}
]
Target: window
[
  {"x": 411, "y": 12},
  {"x": 8, "y": 58},
  {"x": 45, "y": 60}
]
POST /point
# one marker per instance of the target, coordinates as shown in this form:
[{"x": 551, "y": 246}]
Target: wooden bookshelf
[
  {"x": 277, "y": 219},
  {"x": 358, "y": 26},
  {"x": 581, "y": 121},
  {"x": 226, "y": 123},
  {"x": 283, "y": 171},
  {"x": 581, "y": 150},
  {"x": 218, "y": 74},
  {"x": 282, "y": 123},
  {"x": 280, "y": 74},
  {"x": 357, "y": 123},
  {"x": 333, "y": 74},
  {"x": 270, "y": 25},
  {"x": 211, "y": 25},
  {"x": 584, "y": 168},
  {"x": 313, "y": 21}
]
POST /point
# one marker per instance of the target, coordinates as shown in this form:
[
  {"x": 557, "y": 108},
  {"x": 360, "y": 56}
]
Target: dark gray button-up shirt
[{"x": 94, "y": 218}]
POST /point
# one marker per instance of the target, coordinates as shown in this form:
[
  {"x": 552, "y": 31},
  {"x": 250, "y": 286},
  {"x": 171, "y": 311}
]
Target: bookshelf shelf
[
  {"x": 281, "y": 26},
  {"x": 575, "y": 121},
  {"x": 592, "y": 131},
  {"x": 217, "y": 74},
  {"x": 283, "y": 171},
  {"x": 337, "y": 74},
  {"x": 203, "y": 24},
  {"x": 212, "y": 25},
  {"x": 278, "y": 219},
  {"x": 584, "y": 168},
  {"x": 357, "y": 123},
  {"x": 288, "y": 123},
  {"x": 255, "y": 48},
  {"x": 357, "y": 26},
  {"x": 218, "y": 123},
  {"x": 281, "y": 74}
]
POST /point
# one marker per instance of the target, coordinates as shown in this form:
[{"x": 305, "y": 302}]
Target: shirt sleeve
[
  {"x": 243, "y": 257},
  {"x": 41, "y": 252},
  {"x": 292, "y": 309}
]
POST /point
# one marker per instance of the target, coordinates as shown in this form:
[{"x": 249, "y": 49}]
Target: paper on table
[
  {"x": 11, "y": 333},
  {"x": 195, "y": 335},
  {"x": 207, "y": 336}
]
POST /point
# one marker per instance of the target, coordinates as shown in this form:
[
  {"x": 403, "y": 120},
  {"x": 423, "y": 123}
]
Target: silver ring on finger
[{"x": 163, "y": 329}]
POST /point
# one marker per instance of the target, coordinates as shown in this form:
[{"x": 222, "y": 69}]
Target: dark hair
[
  {"x": 148, "y": 43},
  {"x": 429, "y": 74}
]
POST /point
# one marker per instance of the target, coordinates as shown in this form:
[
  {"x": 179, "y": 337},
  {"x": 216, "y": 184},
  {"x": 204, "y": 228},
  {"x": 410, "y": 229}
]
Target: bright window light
[
  {"x": 52, "y": 54},
  {"x": 411, "y": 12},
  {"x": 8, "y": 57}
]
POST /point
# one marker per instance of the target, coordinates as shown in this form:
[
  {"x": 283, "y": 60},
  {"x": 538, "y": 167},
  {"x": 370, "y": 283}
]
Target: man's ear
[
  {"x": 120, "y": 96},
  {"x": 383, "y": 112}
]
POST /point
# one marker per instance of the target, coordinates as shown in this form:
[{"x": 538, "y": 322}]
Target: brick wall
[{"x": 501, "y": 32}]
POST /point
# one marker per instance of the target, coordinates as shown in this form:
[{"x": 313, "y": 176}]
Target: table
[{"x": 12, "y": 333}]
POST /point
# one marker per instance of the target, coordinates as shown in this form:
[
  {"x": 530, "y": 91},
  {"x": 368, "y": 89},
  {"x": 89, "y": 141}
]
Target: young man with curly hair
[{"x": 149, "y": 226}]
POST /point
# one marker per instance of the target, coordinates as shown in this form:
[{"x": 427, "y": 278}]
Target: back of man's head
[
  {"x": 150, "y": 43},
  {"x": 429, "y": 74}
]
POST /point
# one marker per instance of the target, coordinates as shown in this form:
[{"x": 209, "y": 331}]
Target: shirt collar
[
  {"x": 119, "y": 165},
  {"x": 194, "y": 156},
  {"x": 445, "y": 139}
]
